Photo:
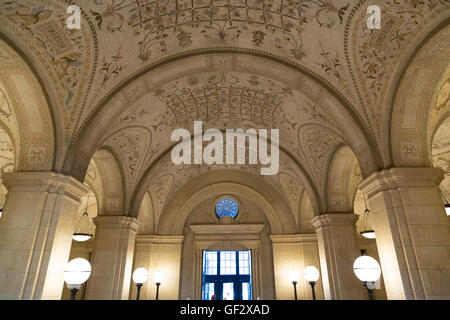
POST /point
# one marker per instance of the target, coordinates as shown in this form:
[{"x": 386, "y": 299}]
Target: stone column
[
  {"x": 412, "y": 235},
  {"x": 338, "y": 249},
  {"x": 36, "y": 233},
  {"x": 113, "y": 258}
]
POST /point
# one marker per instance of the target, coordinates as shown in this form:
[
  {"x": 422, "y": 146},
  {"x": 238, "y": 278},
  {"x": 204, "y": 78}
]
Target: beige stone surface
[
  {"x": 293, "y": 253},
  {"x": 113, "y": 258},
  {"x": 98, "y": 105},
  {"x": 412, "y": 233},
  {"x": 338, "y": 249},
  {"x": 36, "y": 234}
]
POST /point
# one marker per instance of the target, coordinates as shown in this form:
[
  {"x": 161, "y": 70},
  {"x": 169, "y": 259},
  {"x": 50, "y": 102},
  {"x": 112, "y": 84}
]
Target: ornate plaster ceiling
[
  {"x": 6, "y": 160},
  {"x": 441, "y": 154},
  {"x": 139, "y": 69}
]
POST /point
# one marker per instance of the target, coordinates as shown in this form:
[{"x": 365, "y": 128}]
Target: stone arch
[
  {"x": 414, "y": 113},
  {"x": 343, "y": 178},
  {"x": 110, "y": 188},
  {"x": 26, "y": 111},
  {"x": 306, "y": 215},
  {"x": 441, "y": 154},
  {"x": 220, "y": 60},
  {"x": 146, "y": 216},
  {"x": 231, "y": 182},
  {"x": 7, "y": 159},
  {"x": 153, "y": 175}
]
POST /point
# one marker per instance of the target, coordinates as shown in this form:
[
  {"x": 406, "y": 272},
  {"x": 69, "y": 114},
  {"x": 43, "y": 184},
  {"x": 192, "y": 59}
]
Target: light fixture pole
[
  {"x": 140, "y": 276},
  {"x": 293, "y": 275},
  {"x": 76, "y": 272},
  {"x": 312, "y": 275},
  {"x": 158, "y": 280},
  {"x": 370, "y": 286},
  {"x": 368, "y": 270},
  {"x": 157, "y": 290}
]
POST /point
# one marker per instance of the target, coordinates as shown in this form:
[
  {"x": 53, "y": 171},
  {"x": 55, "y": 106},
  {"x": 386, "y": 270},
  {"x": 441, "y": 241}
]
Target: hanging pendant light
[
  {"x": 446, "y": 199},
  {"x": 367, "y": 231},
  {"x": 83, "y": 234}
]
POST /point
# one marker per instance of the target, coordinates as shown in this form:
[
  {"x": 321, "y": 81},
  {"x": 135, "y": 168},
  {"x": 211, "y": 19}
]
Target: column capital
[
  {"x": 401, "y": 177},
  {"x": 334, "y": 219},
  {"x": 50, "y": 182},
  {"x": 116, "y": 222}
]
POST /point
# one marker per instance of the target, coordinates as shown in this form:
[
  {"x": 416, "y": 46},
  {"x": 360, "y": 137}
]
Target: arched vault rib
[
  {"x": 288, "y": 163},
  {"x": 30, "y": 115},
  {"x": 333, "y": 104},
  {"x": 178, "y": 210},
  {"x": 414, "y": 108}
]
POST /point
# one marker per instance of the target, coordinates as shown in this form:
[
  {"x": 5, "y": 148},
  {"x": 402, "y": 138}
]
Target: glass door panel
[
  {"x": 228, "y": 291},
  {"x": 246, "y": 291}
]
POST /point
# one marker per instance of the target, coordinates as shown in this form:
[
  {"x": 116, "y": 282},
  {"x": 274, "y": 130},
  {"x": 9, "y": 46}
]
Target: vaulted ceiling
[{"x": 136, "y": 70}]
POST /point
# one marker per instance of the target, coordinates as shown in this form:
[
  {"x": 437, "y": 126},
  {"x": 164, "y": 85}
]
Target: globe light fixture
[
  {"x": 76, "y": 272},
  {"x": 447, "y": 209},
  {"x": 140, "y": 276},
  {"x": 1, "y": 212},
  {"x": 368, "y": 270},
  {"x": 294, "y": 277},
  {"x": 312, "y": 275},
  {"x": 159, "y": 278}
]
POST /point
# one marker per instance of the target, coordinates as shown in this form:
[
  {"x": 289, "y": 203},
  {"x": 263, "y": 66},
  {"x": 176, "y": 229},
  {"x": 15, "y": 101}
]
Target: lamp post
[
  {"x": 293, "y": 276},
  {"x": 76, "y": 272},
  {"x": 140, "y": 276},
  {"x": 368, "y": 271},
  {"x": 159, "y": 277},
  {"x": 312, "y": 275}
]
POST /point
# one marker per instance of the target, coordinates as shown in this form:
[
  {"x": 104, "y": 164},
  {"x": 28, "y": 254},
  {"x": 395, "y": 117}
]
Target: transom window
[
  {"x": 227, "y": 207},
  {"x": 227, "y": 275}
]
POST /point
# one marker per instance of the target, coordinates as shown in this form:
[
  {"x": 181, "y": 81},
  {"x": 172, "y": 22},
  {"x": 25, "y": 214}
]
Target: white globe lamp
[
  {"x": 140, "y": 276},
  {"x": 368, "y": 270},
  {"x": 76, "y": 272},
  {"x": 312, "y": 275}
]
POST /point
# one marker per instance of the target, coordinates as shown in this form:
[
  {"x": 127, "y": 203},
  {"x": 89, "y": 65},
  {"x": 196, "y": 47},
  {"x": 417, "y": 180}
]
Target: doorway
[{"x": 227, "y": 275}]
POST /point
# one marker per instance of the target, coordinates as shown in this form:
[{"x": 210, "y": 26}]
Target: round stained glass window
[{"x": 227, "y": 207}]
